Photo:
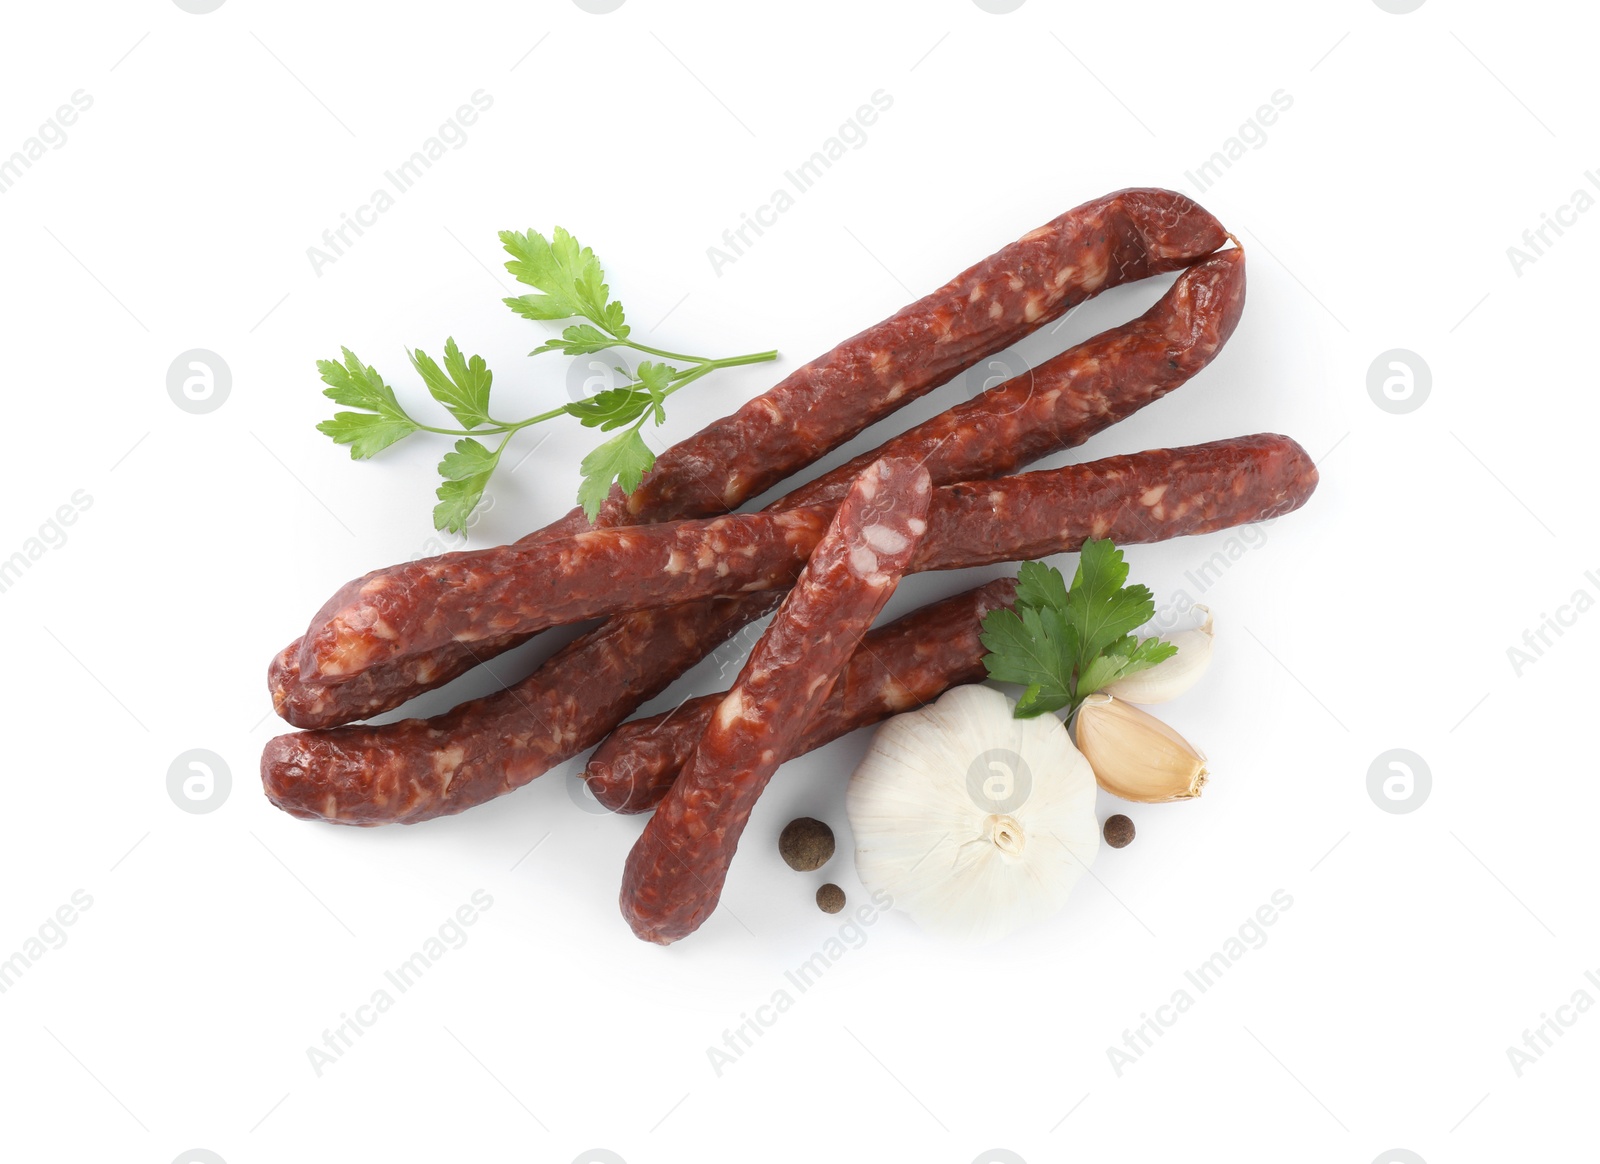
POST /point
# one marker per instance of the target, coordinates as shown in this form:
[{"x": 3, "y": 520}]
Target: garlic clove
[
  {"x": 1136, "y": 756},
  {"x": 974, "y": 822},
  {"x": 1171, "y": 677}
]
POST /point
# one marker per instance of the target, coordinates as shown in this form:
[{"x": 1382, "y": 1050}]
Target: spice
[
  {"x": 1119, "y": 831},
  {"x": 830, "y": 898},
  {"x": 805, "y": 844}
]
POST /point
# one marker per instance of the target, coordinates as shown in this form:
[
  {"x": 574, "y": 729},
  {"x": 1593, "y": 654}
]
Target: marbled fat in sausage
[
  {"x": 674, "y": 874},
  {"x": 898, "y": 667}
]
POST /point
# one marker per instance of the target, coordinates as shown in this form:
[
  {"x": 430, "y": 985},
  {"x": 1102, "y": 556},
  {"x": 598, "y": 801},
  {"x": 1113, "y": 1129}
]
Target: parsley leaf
[
  {"x": 470, "y": 459},
  {"x": 615, "y": 407},
  {"x": 611, "y": 409},
  {"x": 466, "y": 472},
  {"x": 581, "y": 339},
  {"x": 358, "y": 385},
  {"x": 367, "y": 433},
  {"x": 1099, "y": 605},
  {"x": 1033, "y": 647},
  {"x": 1123, "y": 658},
  {"x": 1041, "y": 586},
  {"x": 1063, "y": 644},
  {"x": 657, "y": 379},
  {"x": 569, "y": 275},
  {"x": 462, "y": 385},
  {"x": 625, "y": 459}
]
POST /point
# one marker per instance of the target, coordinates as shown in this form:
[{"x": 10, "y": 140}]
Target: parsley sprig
[
  {"x": 570, "y": 285},
  {"x": 1065, "y": 644}
]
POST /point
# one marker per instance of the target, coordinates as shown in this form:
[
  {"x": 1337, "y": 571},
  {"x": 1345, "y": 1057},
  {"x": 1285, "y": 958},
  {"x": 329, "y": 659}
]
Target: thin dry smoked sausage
[
  {"x": 1070, "y": 397},
  {"x": 1128, "y": 235},
  {"x": 674, "y": 874},
  {"x": 474, "y": 595}
]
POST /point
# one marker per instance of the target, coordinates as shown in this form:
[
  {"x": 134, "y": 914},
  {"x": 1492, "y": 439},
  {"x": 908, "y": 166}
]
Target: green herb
[
  {"x": 1063, "y": 645},
  {"x": 571, "y": 285}
]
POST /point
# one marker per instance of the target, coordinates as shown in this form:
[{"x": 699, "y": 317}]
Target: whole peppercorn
[
  {"x": 830, "y": 898},
  {"x": 805, "y": 844},
  {"x": 1119, "y": 831}
]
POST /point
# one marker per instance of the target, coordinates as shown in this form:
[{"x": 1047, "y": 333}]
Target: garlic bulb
[
  {"x": 1173, "y": 676},
  {"x": 1136, "y": 756},
  {"x": 974, "y": 822}
]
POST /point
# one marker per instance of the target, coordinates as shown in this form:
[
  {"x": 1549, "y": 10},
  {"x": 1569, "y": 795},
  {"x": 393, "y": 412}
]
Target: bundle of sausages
[{"x": 674, "y": 571}]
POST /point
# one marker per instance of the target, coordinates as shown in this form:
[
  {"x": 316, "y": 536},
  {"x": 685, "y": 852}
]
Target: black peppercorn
[
  {"x": 806, "y": 844},
  {"x": 1119, "y": 831},
  {"x": 830, "y": 898}
]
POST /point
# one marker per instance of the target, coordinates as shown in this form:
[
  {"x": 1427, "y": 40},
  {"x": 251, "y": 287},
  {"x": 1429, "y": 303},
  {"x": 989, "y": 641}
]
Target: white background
[{"x": 1376, "y": 215}]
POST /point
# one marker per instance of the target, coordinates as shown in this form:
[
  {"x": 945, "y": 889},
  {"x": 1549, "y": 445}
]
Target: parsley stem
[
  {"x": 459, "y": 431},
  {"x": 727, "y": 362},
  {"x": 540, "y": 418},
  {"x": 689, "y": 377},
  {"x": 682, "y": 378},
  {"x": 738, "y": 361},
  {"x": 496, "y": 426},
  {"x": 543, "y": 416}
]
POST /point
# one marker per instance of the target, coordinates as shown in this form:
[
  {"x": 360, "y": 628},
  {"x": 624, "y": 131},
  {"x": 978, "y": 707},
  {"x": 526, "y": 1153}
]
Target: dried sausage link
[
  {"x": 1124, "y": 236},
  {"x": 477, "y": 595},
  {"x": 1072, "y": 396},
  {"x": 674, "y": 874}
]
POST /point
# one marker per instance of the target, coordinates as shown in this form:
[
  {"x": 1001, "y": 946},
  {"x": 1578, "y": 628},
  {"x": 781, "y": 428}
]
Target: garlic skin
[
  {"x": 1136, "y": 756},
  {"x": 974, "y": 822},
  {"x": 1171, "y": 677}
]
